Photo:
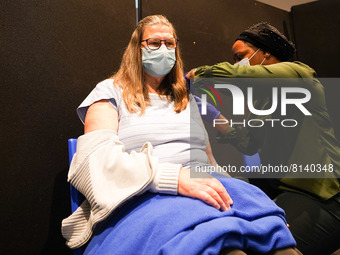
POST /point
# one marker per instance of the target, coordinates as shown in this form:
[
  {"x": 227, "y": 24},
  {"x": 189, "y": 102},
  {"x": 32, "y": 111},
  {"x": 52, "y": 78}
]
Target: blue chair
[{"x": 76, "y": 197}]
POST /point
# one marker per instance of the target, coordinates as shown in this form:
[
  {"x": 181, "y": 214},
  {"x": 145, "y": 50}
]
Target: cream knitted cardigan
[{"x": 108, "y": 176}]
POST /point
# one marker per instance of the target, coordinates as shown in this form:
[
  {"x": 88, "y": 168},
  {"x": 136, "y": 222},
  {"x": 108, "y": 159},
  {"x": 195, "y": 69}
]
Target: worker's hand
[
  {"x": 187, "y": 80},
  {"x": 209, "y": 190},
  {"x": 190, "y": 74},
  {"x": 212, "y": 112},
  {"x": 187, "y": 77}
]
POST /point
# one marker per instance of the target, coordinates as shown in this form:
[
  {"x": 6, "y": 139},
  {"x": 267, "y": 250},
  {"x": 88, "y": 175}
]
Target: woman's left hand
[{"x": 209, "y": 190}]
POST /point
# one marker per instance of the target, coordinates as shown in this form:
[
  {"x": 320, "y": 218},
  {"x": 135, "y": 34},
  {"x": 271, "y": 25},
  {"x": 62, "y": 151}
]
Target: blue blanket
[{"x": 163, "y": 224}]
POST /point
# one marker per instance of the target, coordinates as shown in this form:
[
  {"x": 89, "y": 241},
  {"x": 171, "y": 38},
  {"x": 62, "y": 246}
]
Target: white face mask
[
  {"x": 245, "y": 61},
  {"x": 159, "y": 62}
]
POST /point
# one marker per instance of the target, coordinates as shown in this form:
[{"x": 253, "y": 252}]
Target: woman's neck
[{"x": 152, "y": 83}]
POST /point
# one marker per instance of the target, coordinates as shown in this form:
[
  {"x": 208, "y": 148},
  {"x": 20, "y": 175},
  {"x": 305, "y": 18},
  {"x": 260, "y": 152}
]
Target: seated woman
[{"x": 146, "y": 107}]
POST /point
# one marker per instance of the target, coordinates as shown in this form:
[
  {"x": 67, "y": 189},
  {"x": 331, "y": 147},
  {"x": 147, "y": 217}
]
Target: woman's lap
[{"x": 153, "y": 223}]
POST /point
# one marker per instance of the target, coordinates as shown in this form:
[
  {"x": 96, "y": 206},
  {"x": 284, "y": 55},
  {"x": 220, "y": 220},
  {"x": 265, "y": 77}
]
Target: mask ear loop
[
  {"x": 254, "y": 54},
  {"x": 265, "y": 57}
]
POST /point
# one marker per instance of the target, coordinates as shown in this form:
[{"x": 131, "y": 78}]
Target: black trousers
[{"x": 315, "y": 224}]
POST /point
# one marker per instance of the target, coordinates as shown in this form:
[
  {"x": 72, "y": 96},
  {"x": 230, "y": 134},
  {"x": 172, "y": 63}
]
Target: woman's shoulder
[
  {"x": 109, "y": 85},
  {"x": 108, "y": 90}
]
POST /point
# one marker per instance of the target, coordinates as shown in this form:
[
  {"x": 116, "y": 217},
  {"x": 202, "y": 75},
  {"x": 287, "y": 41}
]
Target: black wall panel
[
  {"x": 52, "y": 54},
  {"x": 207, "y": 31},
  {"x": 317, "y": 35}
]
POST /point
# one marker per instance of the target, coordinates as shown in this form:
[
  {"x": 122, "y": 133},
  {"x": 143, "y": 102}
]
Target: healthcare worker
[{"x": 312, "y": 205}]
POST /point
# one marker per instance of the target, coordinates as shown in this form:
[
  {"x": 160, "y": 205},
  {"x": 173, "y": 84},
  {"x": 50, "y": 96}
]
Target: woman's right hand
[{"x": 209, "y": 190}]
